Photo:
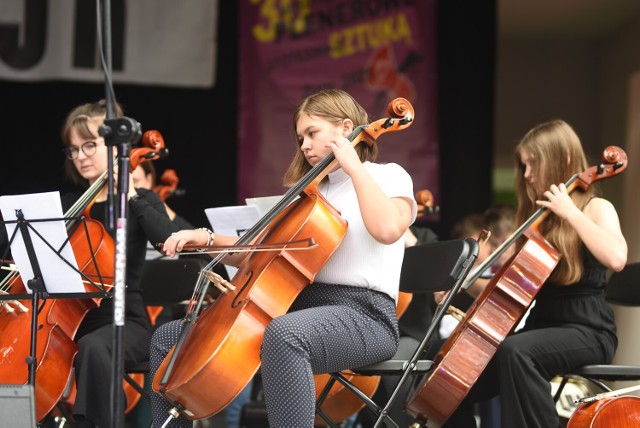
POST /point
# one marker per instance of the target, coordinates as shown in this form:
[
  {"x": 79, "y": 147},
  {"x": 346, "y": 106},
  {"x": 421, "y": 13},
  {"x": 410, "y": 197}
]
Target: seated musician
[
  {"x": 571, "y": 324},
  {"x": 144, "y": 177},
  {"x": 86, "y": 162},
  {"x": 346, "y": 318}
]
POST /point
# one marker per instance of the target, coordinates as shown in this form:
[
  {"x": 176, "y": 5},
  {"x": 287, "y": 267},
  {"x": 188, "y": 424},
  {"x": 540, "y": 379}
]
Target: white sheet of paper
[
  {"x": 263, "y": 203},
  {"x": 57, "y": 275},
  {"x": 232, "y": 221}
]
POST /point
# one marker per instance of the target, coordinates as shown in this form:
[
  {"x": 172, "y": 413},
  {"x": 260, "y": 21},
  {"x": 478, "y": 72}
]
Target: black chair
[
  {"x": 168, "y": 281},
  {"x": 426, "y": 268},
  {"x": 622, "y": 289}
]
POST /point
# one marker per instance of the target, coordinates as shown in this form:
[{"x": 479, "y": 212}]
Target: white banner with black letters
[{"x": 153, "y": 42}]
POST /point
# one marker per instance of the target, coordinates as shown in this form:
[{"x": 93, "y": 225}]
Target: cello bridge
[{"x": 221, "y": 284}]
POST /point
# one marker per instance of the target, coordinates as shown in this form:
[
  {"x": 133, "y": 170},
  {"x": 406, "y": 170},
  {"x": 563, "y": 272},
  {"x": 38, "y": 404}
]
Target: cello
[
  {"x": 497, "y": 311},
  {"x": 619, "y": 412},
  {"x": 168, "y": 186},
  {"x": 608, "y": 409},
  {"x": 218, "y": 350},
  {"x": 59, "y": 319}
]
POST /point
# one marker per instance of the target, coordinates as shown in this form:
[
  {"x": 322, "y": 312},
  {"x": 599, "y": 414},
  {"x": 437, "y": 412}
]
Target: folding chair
[
  {"x": 622, "y": 289},
  {"x": 426, "y": 268}
]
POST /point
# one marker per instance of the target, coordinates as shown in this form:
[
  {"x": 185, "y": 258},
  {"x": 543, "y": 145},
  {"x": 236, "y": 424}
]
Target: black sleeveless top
[{"x": 582, "y": 304}]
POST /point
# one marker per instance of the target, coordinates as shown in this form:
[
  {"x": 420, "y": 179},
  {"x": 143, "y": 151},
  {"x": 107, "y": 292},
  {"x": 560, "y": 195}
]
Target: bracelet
[{"x": 211, "y": 236}]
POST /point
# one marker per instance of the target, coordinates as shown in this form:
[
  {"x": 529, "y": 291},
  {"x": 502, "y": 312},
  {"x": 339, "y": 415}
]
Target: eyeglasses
[{"x": 88, "y": 148}]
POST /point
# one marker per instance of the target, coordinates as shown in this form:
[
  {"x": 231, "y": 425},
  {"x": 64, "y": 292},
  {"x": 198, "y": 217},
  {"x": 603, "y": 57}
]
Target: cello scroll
[
  {"x": 614, "y": 162},
  {"x": 426, "y": 203},
  {"x": 153, "y": 148}
]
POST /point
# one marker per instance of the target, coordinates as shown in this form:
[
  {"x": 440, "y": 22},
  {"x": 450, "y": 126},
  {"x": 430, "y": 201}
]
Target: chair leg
[
  {"x": 556, "y": 396},
  {"x": 326, "y": 418},
  {"x": 320, "y": 401},
  {"x": 383, "y": 415},
  {"x": 599, "y": 383},
  {"x": 137, "y": 387}
]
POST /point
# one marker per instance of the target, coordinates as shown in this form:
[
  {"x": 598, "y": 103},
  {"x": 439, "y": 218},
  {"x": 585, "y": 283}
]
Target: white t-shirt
[{"x": 360, "y": 260}]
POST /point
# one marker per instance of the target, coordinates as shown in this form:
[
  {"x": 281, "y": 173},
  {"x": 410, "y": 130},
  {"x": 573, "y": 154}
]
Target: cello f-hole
[{"x": 235, "y": 303}]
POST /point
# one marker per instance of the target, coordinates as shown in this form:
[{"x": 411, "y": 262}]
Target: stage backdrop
[{"x": 375, "y": 50}]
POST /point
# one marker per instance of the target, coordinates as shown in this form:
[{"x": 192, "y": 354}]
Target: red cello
[
  {"x": 218, "y": 351},
  {"x": 59, "y": 319},
  {"x": 497, "y": 311},
  {"x": 168, "y": 185},
  {"x": 618, "y": 412}
]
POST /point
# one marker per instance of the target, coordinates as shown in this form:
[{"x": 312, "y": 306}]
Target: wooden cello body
[
  {"x": 494, "y": 314},
  {"x": 497, "y": 311},
  {"x": 59, "y": 319},
  {"x": 219, "y": 350},
  {"x": 224, "y": 346},
  {"x": 618, "y": 412}
]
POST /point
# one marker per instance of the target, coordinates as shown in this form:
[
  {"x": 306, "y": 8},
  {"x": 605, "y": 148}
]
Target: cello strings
[{"x": 264, "y": 221}]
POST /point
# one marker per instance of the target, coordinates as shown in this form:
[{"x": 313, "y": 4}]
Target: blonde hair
[
  {"x": 79, "y": 119},
  {"x": 556, "y": 155},
  {"x": 333, "y": 105}
]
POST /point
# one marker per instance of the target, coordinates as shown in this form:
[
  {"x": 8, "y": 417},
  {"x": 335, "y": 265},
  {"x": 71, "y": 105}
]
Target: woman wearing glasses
[{"x": 86, "y": 161}]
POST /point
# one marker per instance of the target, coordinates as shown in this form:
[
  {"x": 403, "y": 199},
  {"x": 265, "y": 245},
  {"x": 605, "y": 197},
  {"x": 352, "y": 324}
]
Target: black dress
[{"x": 147, "y": 221}]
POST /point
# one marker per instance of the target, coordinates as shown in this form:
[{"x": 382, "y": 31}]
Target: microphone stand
[{"x": 121, "y": 132}]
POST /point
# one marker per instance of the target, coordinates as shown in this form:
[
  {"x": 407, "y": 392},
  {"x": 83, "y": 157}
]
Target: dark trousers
[{"x": 93, "y": 372}]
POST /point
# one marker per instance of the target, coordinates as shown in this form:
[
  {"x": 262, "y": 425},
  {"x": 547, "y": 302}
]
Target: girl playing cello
[
  {"x": 346, "y": 318},
  {"x": 86, "y": 161},
  {"x": 571, "y": 324}
]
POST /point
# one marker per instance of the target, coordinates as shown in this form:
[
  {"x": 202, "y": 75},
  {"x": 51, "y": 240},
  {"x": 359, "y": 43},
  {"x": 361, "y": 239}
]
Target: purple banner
[{"x": 376, "y": 50}]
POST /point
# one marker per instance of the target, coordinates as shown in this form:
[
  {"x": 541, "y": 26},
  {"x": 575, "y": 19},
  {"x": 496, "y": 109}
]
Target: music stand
[{"x": 37, "y": 283}]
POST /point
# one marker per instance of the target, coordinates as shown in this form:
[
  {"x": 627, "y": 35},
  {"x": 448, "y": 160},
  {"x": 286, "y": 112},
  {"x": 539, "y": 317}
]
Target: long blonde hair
[
  {"x": 556, "y": 155},
  {"x": 333, "y": 105}
]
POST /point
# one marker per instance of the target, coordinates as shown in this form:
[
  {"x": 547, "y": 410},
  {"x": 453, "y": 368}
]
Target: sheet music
[
  {"x": 58, "y": 277},
  {"x": 232, "y": 221},
  {"x": 264, "y": 203}
]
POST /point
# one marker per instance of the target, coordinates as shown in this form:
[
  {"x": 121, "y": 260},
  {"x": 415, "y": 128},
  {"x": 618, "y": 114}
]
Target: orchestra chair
[
  {"x": 165, "y": 282},
  {"x": 427, "y": 268},
  {"x": 623, "y": 288}
]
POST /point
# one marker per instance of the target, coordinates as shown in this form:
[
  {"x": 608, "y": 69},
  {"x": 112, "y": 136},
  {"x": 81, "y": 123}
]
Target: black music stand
[{"x": 37, "y": 284}]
